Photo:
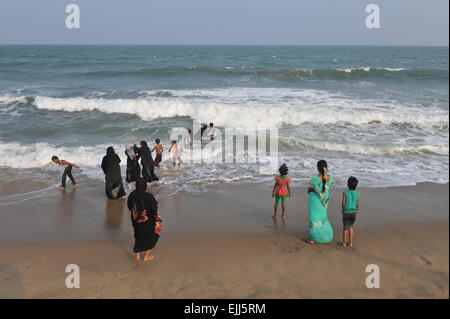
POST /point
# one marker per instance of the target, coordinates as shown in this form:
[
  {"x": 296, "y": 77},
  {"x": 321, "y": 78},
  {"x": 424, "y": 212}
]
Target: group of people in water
[
  {"x": 320, "y": 230},
  {"x": 111, "y": 168},
  {"x": 143, "y": 206}
]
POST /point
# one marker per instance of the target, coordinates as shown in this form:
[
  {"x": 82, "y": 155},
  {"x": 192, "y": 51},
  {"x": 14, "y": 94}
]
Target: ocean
[{"x": 378, "y": 113}]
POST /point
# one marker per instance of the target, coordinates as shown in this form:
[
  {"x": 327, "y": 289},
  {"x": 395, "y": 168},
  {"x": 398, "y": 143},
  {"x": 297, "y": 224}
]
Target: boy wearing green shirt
[{"x": 350, "y": 206}]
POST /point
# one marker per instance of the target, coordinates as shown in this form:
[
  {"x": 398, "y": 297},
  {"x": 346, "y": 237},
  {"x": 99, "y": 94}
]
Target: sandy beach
[
  {"x": 220, "y": 242},
  {"x": 221, "y": 109}
]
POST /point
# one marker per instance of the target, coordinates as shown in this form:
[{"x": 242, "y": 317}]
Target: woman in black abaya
[
  {"x": 133, "y": 167},
  {"x": 145, "y": 219},
  {"x": 113, "y": 178},
  {"x": 148, "y": 166}
]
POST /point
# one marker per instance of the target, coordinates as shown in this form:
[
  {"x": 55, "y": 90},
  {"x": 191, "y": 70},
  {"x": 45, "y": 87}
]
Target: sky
[{"x": 239, "y": 22}]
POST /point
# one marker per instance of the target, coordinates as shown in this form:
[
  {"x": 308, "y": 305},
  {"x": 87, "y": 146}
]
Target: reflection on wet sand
[
  {"x": 114, "y": 214},
  {"x": 116, "y": 233},
  {"x": 65, "y": 209}
]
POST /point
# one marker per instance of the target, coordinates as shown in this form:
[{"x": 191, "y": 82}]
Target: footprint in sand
[{"x": 425, "y": 260}]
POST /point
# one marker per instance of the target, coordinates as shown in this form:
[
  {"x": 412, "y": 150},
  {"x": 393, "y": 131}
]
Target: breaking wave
[{"x": 257, "y": 114}]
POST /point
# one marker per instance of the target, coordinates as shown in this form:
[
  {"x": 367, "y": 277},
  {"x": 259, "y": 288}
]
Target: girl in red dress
[{"x": 281, "y": 191}]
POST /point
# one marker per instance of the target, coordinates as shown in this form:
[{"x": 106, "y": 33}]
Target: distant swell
[{"x": 344, "y": 73}]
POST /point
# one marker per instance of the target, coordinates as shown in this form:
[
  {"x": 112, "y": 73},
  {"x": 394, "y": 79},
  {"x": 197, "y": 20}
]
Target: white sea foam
[
  {"x": 8, "y": 100},
  {"x": 388, "y": 159},
  {"x": 20, "y": 156},
  {"x": 22, "y": 197},
  {"x": 365, "y": 149},
  {"x": 394, "y": 69},
  {"x": 350, "y": 70},
  {"x": 411, "y": 148},
  {"x": 257, "y": 108},
  {"x": 367, "y": 69},
  {"x": 17, "y": 155}
]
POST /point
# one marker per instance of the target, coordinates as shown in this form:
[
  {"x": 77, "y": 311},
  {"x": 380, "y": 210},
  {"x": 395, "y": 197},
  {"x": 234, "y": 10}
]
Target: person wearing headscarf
[
  {"x": 133, "y": 167},
  {"x": 148, "y": 165},
  {"x": 113, "y": 178},
  {"x": 320, "y": 229},
  {"x": 145, "y": 219}
]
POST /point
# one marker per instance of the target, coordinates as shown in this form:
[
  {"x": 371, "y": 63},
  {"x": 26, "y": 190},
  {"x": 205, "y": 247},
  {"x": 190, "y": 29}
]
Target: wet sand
[{"x": 220, "y": 242}]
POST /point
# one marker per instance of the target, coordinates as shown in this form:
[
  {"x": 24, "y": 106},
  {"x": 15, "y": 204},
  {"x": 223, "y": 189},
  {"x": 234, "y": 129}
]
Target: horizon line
[{"x": 230, "y": 44}]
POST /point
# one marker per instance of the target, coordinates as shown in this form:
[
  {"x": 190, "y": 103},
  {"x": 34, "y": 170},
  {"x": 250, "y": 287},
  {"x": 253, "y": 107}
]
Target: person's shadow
[
  {"x": 114, "y": 214},
  {"x": 64, "y": 219}
]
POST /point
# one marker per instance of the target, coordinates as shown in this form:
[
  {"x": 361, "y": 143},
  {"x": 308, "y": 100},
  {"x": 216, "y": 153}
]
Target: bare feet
[
  {"x": 148, "y": 258},
  {"x": 309, "y": 241},
  {"x": 283, "y": 217},
  {"x": 274, "y": 218},
  {"x": 344, "y": 244},
  {"x": 75, "y": 186},
  {"x": 350, "y": 245},
  {"x": 138, "y": 257},
  {"x": 61, "y": 188}
]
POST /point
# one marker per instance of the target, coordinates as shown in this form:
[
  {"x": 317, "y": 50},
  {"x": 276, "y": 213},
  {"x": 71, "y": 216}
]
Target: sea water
[{"x": 378, "y": 113}]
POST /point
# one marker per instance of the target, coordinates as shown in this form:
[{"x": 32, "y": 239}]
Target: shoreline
[
  {"x": 88, "y": 215},
  {"x": 222, "y": 243}
]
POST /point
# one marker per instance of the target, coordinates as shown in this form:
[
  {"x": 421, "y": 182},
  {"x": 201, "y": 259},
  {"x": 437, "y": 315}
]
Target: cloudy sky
[{"x": 303, "y": 22}]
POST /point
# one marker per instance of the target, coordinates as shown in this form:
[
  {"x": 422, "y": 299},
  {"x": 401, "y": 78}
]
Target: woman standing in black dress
[
  {"x": 113, "y": 178},
  {"x": 145, "y": 219},
  {"x": 148, "y": 165},
  {"x": 133, "y": 167}
]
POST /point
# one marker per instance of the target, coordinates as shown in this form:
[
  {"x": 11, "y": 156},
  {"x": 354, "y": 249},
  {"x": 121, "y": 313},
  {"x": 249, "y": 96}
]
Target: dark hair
[
  {"x": 144, "y": 144},
  {"x": 283, "y": 169},
  {"x": 352, "y": 183},
  {"x": 54, "y": 157},
  {"x": 321, "y": 165},
  {"x": 157, "y": 141},
  {"x": 189, "y": 131},
  {"x": 110, "y": 150},
  {"x": 174, "y": 142},
  {"x": 211, "y": 124}
]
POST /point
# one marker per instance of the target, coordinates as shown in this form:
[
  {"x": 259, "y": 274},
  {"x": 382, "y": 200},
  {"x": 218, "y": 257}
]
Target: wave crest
[
  {"x": 256, "y": 114},
  {"x": 364, "y": 149}
]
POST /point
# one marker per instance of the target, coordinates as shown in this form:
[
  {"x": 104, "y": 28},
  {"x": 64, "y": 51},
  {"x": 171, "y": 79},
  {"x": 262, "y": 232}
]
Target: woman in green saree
[{"x": 320, "y": 230}]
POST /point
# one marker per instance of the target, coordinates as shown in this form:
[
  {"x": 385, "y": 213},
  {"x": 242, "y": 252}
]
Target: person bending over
[{"x": 67, "y": 171}]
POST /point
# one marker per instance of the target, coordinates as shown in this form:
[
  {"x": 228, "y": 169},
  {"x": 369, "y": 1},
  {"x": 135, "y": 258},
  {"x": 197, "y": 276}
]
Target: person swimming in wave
[{"x": 67, "y": 171}]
